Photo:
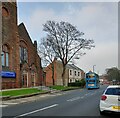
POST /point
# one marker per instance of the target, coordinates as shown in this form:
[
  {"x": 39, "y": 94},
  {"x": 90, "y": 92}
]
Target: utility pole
[{"x": 94, "y": 68}]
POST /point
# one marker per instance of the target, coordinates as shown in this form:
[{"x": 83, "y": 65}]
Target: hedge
[{"x": 80, "y": 83}]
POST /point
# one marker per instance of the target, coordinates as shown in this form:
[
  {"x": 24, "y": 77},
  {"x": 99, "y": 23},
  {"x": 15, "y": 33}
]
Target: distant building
[
  {"x": 21, "y": 65},
  {"x": 72, "y": 73},
  {"x": 104, "y": 79}
]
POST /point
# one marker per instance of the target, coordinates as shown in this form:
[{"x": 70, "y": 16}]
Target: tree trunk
[
  {"x": 53, "y": 74},
  {"x": 63, "y": 74}
]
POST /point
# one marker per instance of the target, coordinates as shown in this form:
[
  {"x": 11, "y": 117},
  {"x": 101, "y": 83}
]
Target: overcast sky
[{"x": 98, "y": 20}]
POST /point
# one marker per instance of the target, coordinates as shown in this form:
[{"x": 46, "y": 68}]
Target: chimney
[{"x": 35, "y": 44}]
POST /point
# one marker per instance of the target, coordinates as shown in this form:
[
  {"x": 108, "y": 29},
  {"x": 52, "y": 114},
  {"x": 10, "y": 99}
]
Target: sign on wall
[{"x": 7, "y": 74}]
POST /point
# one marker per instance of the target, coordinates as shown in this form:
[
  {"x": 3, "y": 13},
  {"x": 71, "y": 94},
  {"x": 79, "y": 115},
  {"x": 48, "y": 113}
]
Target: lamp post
[{"x": 94, "y": 68}]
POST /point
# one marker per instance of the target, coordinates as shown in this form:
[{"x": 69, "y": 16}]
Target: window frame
[
  {"x": 23, "y": 54},
  {"x": 5, "y": 56}
]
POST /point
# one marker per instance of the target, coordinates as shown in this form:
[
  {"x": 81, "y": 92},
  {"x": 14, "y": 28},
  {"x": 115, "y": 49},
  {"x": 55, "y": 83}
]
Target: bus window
[
  {"x": 87, "y": 76},
  {"x": 91, "y": 76},
  {"x": 91, "y": 81}
]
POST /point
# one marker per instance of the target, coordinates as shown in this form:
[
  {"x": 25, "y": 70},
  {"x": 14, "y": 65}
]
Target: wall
[
  {"x": 14, "y": 36},
  {"x": 10, "y": 35},
  {"x": 57, "y": 74}
]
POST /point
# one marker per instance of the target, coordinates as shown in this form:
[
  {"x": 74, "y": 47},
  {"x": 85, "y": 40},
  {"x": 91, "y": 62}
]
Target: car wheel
[{"x": 101, "y": 113}]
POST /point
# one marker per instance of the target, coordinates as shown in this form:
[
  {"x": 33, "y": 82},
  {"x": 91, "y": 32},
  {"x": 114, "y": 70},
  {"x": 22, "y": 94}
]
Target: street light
[{"x": 94, "y": 68}]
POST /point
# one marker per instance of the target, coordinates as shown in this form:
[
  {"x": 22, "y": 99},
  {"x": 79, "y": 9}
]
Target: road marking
[
  {"x": 10, "y": 103},
  {"x": 87, "y": 94},
  {"x": 36, "y": 111},
  {"x": 1, "y": 105},
  {"x": 73, "y": 99}
]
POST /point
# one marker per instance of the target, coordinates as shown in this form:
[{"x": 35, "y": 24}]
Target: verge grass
[
  {"x": 20, "y": 92},
  {"x": 62, "y": 87}
]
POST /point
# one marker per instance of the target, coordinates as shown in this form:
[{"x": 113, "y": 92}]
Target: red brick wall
[
  {"x": 33, "y": 57},
  {"x": 57, "y": 74},
  {"x": 10, "y": 38},
  {"x": 48, "y": 78},
  {"x": 12, "y": 35}
]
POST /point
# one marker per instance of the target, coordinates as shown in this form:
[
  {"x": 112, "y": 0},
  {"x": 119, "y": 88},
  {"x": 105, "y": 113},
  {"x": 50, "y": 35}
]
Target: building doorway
[
  {"x": 33, "y": 79},
  {"x": 25, "y": 79}
]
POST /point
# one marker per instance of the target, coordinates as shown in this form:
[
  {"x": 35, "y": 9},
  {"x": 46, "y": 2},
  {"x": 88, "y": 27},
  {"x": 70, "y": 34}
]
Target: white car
[{"x": 110, "y": 100}]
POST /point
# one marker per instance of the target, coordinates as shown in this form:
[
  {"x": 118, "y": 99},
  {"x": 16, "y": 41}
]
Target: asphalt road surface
[{"x": 80, "y": 102}]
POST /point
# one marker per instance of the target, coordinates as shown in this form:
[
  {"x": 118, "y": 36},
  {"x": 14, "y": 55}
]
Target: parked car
[{"x": 110, "y": 100}]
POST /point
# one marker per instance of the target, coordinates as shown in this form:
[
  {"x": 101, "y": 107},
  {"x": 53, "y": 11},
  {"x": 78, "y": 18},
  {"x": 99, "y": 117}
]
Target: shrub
[{"x": 80, "y": 83}]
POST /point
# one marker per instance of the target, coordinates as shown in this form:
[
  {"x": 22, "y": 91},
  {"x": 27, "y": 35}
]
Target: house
[
  {"x": 72, "y": 73},
  {"x": 21, "y": 64},
  {"x": 75, "y": 73}
]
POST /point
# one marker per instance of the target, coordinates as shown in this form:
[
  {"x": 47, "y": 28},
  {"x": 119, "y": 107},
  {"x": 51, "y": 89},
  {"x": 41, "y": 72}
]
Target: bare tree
[
  {"x": 65, "y": 41},
  {"x": 47, "y": 55}
]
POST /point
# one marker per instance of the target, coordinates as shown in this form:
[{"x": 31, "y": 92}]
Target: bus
[{"x": 92, "y": 80}]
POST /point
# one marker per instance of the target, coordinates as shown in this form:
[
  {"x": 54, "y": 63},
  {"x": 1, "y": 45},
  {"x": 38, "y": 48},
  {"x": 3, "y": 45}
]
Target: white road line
[
  {"x": 36, "y": 111},
  {"x": 87, "y": 94},
  {"x": 10, "y": 103},
  {"x": 3, "y": 105},
  {"x": 73, "y": 99}
]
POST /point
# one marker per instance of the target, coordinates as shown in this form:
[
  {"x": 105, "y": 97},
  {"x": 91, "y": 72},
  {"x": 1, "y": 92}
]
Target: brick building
[
  {"x": 57, "y": 74},
  {"x": 21, "y": 65},
  {"x": 72, "y": 73}
]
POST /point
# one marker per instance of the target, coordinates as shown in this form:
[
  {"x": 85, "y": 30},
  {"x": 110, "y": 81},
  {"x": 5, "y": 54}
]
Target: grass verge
[
  {"x": 63, "y": 87},
  {"x": 19, "y": 92}
]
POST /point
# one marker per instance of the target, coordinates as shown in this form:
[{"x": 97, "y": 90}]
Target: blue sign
[{"x": 7, "y": 74}]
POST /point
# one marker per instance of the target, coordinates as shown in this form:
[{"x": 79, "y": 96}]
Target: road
[{"x": 80, "y": 102}]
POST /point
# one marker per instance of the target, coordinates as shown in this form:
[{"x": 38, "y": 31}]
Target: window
[
  {"x": 113, "y": 91},
  {"x": 75, "y": 73},
  {"x": 90, "y": 76},
  {"x": 70, "y": 72},
  {"x": 23, "y": 54},
  {"x": 78, "y": 73},
  {"x": 91, "y": 81},
  {"x": 3, "y": 64},
  {"x": 5, "y": 56}
]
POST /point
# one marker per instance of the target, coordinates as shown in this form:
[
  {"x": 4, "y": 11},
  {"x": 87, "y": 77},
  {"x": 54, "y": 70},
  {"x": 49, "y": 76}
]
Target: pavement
[
  {"x": 8, "y": 101},
  {"x": 22, "y": 100},
  {"x": 4, "y": 102}
]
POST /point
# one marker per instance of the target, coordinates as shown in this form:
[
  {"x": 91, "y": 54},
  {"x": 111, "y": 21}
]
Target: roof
[
  {"x": 113, "y": 86},
  {"x": 72, "y": 66},
  {"x": 23, "y": 33},
  {"x": 69, "y": 66}
]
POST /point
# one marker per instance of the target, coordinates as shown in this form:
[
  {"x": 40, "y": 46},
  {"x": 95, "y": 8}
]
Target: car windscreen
[{"x": 113, "y": 91}]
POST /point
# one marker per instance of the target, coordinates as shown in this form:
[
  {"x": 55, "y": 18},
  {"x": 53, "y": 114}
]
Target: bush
[
  {"x": 80, "y": 83},
  {"x": 83, "y": 82}
]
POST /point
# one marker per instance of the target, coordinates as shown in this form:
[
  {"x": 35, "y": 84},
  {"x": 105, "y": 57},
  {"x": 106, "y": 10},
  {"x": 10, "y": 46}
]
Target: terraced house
[{"x": 21, "y": 65}]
